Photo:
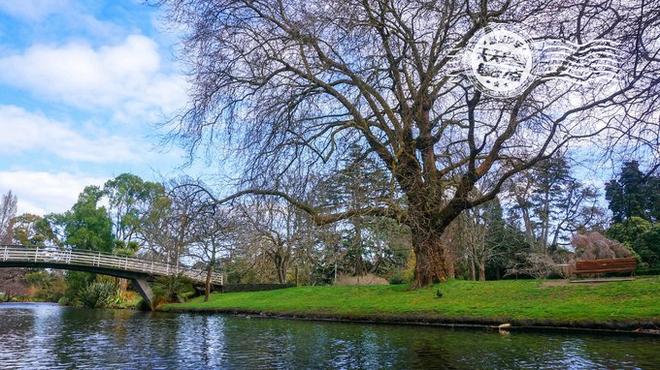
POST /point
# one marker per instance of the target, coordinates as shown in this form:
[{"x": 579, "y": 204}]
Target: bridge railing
[{"x": 18, "y": 253}]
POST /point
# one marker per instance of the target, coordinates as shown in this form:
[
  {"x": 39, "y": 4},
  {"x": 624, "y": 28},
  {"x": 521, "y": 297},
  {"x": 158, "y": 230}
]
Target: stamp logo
[{"x": 499, "y": 62}]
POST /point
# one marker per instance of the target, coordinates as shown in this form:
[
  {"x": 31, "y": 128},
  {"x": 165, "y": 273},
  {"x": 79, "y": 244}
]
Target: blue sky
[{"x": 83, "y": 87}]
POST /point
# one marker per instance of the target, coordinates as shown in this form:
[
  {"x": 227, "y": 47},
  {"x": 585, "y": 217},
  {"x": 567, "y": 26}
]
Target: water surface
[{"x": 48, "y": 336}]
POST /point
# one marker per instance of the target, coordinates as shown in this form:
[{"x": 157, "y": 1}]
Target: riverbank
[{"x": 625, "y": 305}]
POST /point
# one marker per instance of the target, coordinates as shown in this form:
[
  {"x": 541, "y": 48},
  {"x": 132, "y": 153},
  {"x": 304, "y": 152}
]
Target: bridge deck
[{"x": 20, "y": 256}]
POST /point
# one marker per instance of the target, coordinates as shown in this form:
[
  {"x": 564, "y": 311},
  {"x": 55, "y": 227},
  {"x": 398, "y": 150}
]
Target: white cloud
[
  {"x": 74, "y": 15},
  {"x": 26, "y": 131},
  {"x": 127, "y": 78},
  {"x": 44, "y": 192},
  {"x": 32, "y": 10}
]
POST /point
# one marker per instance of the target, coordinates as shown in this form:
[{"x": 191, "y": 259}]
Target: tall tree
[
  {"x": 33, "y": 230},
  {"x": 551, "y": 203},
  {"x": 214, "y": 228},
  {"x": 87, "y": 225},
  {"x": 359, "y": 182},
  {"x": 129, "y": 200},
  {"x": 291, "y": 83},
  {"x": 11, "y": 279},
  {"x": 634, "y": 194},
  {"x": 168, "y": 227},
  {"x": 7, "y": 214}
]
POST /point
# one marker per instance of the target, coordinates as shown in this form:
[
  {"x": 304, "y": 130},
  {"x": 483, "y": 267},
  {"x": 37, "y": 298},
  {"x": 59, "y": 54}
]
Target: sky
[{"x": 84, "y": 87}]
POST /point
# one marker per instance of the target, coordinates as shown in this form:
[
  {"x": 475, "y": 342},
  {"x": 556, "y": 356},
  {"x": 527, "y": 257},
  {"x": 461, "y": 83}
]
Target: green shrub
[
  {"x": 46, "y": 286},
  {"x": 100, "y": 294},
  {"x": 397, "y": 279}
]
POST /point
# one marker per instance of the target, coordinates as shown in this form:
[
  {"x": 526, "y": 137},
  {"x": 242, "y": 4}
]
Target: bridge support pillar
[{"x": 144, "y": 289}]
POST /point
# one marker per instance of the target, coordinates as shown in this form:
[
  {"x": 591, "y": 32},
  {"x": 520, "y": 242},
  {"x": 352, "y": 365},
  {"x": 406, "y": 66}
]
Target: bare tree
[
  {"x": 277, "y": 229},
  {"x": 291, "y": 83},
  {"x": 473, "y": 237},
  {"x": 168, "y": 228},
  {"x": 7, "y": 215},
  {"x": 11, "y": 279},
  {"x": 214, "y": 228}
]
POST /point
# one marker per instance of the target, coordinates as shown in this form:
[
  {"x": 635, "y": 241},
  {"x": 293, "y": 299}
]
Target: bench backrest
[{"x": 606, "y": 265}]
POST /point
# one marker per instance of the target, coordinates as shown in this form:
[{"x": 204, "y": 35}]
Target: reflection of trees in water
[
  {"x": 303, "y": 344},
  {"x": 47, "y": 320},
  {"x": 48, "y": 336},
  {"x": 86, "y": 336},
  {"x": 199, "y": 339},
  {"x": 14, "y": 324}
]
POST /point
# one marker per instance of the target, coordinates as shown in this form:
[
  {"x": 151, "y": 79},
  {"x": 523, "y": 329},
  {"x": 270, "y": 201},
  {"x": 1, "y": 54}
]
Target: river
[{"x": 48, "y": 336}]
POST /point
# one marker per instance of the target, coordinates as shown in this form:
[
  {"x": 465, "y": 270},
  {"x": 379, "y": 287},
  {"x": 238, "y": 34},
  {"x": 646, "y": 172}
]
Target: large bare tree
[
  {"x": 7, "y": 214},
  {"x": 290, "y": 85}
]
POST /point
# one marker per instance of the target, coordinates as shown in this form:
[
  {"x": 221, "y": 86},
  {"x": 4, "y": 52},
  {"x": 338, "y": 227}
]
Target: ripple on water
[{"x": 46, "y": 336}]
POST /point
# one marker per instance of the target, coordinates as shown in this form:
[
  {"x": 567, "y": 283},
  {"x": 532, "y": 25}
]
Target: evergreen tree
[
  {"x": 370, "y": 244},
  {"x": 86, "y": 225},
  {"x": 634, "y": 194},
  {"x": 33, "y": 230},
  {"x": 551, "y": 204}
]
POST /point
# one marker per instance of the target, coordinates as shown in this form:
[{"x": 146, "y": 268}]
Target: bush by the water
[
  {"x": 45, "y": 286},
  {"x": 100, "y": 294},
  {"x": 172, "y": 289}
]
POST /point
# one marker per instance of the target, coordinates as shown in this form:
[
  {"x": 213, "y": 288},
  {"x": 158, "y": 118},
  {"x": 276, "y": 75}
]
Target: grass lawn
[{"x": 637, "y": 300}]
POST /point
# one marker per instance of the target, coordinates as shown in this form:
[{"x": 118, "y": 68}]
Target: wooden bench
[{"x": 605, "y": 265}]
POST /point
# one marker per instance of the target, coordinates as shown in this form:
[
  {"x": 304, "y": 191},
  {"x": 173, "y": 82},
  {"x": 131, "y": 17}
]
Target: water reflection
[{"x": 43, "y": 336}]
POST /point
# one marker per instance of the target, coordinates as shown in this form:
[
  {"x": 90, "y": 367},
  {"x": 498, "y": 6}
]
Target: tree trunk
[
  {"x": 482, "y": 271},
  {"x": 449, "y": 261},
  {"x": 357, "y": 247},
  {"x": 429, "y": 258},
  {"x": 207, "y": 291},
  {"x": 281, "y": 267}
]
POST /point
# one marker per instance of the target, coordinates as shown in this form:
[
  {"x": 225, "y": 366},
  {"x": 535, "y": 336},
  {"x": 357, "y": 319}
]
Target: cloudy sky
[{"x": 83, "y": 86}]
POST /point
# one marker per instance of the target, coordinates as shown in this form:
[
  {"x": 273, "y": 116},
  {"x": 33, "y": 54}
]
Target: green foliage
[
  {"x": 33, "y": 230},
  {"x": 630, "y": 230},
  {"x": 366, "y": 244},
  {"x": 125, "y": 249},
  {"x": 397, "y": 279},
  {"x": 634, "y": 194},
  {"x": 510, "y": 248},
  {"x": 76, "y": 283},
  {"x": 641, "y": 236},
  {"x": 46, "y": 286},
  {"x": 102, "y": 293},
  {"x": 90, "y": 290},
  {"x": 87, "y": 226},
  {"x": 130, "y": 198},
  {"x": 172, "y": 289}
]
